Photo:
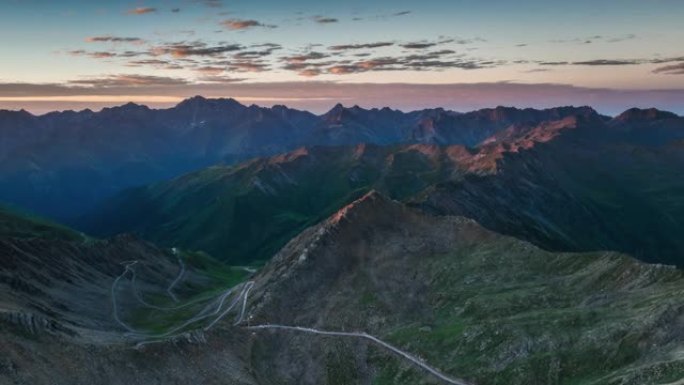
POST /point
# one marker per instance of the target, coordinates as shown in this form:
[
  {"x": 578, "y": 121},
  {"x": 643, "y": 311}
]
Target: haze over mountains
[
  {"x": 565, "y": 179},
  {"x": 500, "y": 246},
  {"x": 61, "y": 164}
]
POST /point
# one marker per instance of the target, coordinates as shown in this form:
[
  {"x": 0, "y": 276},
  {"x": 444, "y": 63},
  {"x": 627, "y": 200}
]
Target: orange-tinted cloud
[
  {"x": 129, "y": 81},
  {"x": 242, "y": 24},
  {"x": 142, "y": 10}
]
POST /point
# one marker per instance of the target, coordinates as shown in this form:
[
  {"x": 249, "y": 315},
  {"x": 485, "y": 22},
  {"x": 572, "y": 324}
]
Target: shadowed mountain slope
[
  {"x": 580, "y": 183},
  {"x": 247, "y": 212}
]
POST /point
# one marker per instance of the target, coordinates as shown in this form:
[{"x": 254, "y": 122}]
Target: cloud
[
  {"x": 307, "y": 64},
  {"x": 618, "y": 39},
  {"x": 219, "y": 79},
  {"x": 674, "y": 69},
  {"x": 156, "y": 63},
  {"x": 210, "y": 71},
  {"x": 310, "y": 72},
  {"x": 536, "y": 70},
  {"x": 175, "y": 10},
  {"x": 667, "y": 60},
  {"x": 345, "y": 47},
  {"x": 402, "y": 13},
  {"x": 418, "y": 45},
  {"x": 553, "y": 63},
  {"x": 313, "y": 55},
  {"x": 345, "y": 69},
  {"x": 248, "y": 66},
  {"x": 142, "y": 11},
  {"x": 210, "y": 3},
  {"x": 114, "y": 39},
  {"x": 596, "y": 38},
  {"x": 197, "y": 48},
  {"x": 613, "y": 62},
  {"x": 128, "y": 81},
  {"x": 94, "y": 55},
  {"x": 607, "y": 62},
  {"x": 325, "y": 20},
  {"x": 242, "y": 24},
  {"x": 254, "y": 54},
  {"x": 438, "y": 60}
]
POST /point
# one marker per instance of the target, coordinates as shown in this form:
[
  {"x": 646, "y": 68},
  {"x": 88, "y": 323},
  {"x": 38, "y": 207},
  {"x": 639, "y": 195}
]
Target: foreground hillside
[
  {"x": 57, "y": 280},
  {"x": 475, "y": 304},
  {"x": 468, "y": 302}
]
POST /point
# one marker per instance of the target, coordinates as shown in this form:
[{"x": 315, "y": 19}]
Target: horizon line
[{"x": 138, "y": 101}]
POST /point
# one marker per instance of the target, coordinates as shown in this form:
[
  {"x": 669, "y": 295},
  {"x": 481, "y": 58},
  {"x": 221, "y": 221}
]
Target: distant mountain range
[
  {"x": 576, "y": 182},
  {"x": 61, "y": 164}
]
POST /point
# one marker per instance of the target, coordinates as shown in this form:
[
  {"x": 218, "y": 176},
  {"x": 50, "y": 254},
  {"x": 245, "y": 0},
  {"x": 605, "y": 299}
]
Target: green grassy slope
[
  {"x": 18, "y": 225},
  {"x": 475, "y": 304},
  {"x": 245, "y": 213}
]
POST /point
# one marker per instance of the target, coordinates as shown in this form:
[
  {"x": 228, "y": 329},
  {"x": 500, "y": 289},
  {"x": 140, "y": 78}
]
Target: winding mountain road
[
  {"x": 413, "y": 359},
  {"x": 178, "y": 278},
  {"x": 115, "y": 310},
  {"x": 242, "y": 298}
]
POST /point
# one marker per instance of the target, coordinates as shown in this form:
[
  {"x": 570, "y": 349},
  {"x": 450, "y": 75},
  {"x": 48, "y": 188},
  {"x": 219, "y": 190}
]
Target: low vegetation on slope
[
  {"x": 17, "y": 225},
  {"x": 245, "y": 213},
  {"x": 475, "y": 304},
  {"x": 55, "y": 280}
]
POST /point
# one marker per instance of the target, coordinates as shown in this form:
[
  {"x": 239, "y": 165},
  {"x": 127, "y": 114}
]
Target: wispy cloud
[
  {"x": 313, "y": 55},
  {"x": 242, "y": 24},
  {"x": 607, "y": 62},
  {"x": 197, "y": 48},
  {"x": 418, "y": 45},
  {"x": 325, "y": 19},
  {"x": 344, "y": 47},
  {"x": 94, "y": 54},
  {"x": 597, "y": 38},
  {"x": 114, "y": 39},
  {"x": 210, "y": 3},
  {"x": 129, "y": 81},
  {"x": 674, "y": 69},
  {"x": 142, "y": 10}
]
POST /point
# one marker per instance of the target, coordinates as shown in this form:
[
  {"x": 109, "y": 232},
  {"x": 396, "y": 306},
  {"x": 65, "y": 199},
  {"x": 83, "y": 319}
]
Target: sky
[{"x": 457, "y": 54}]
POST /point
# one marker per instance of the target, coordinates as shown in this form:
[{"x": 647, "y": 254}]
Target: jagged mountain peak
[
  {"x": 8, "y": 114},
  {"x": 128, "y": 108},
  {"x": 202, "y": 102},
  {"x": 368, "y": 203},
  {"x": 335, "y": 113},
  {"x": 637, "y": 115}
]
